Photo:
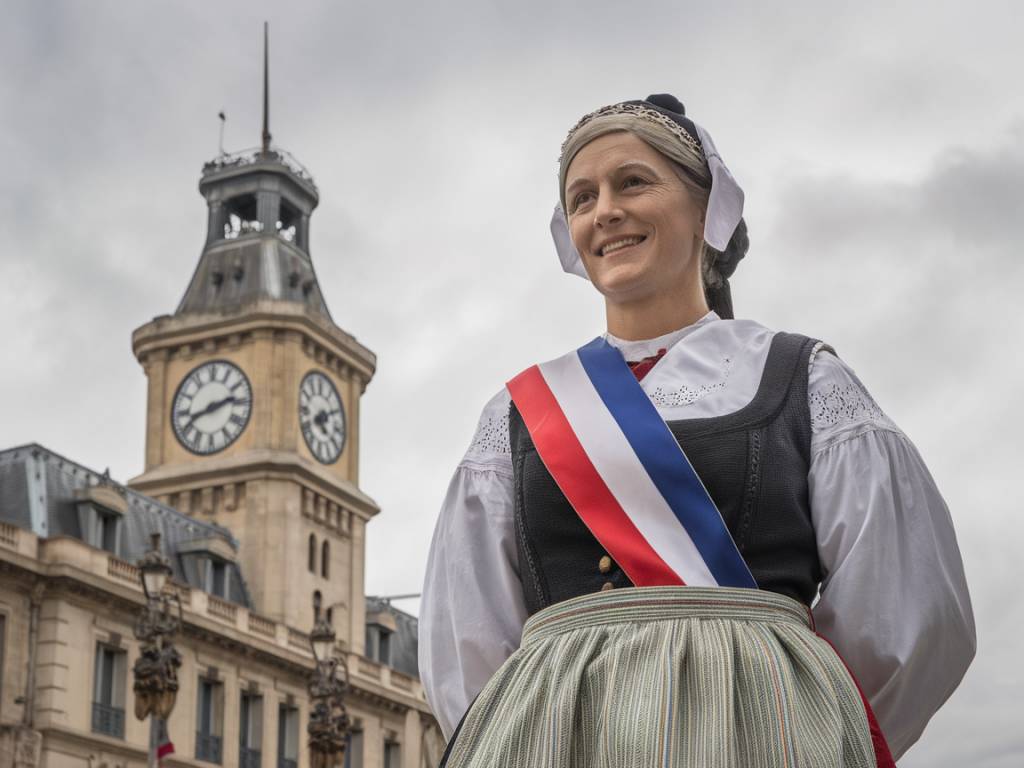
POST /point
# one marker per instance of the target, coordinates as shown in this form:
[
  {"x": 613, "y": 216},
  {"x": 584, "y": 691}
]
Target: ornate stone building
[{"x": 252, "y": 477}]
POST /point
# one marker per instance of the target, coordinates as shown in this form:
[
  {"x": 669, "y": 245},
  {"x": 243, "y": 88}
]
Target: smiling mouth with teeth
[{"x": 620, "y": 244}]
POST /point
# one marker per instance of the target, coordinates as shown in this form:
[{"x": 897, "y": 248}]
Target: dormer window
[
  {"x": 216, "y": 577},
  {"x": 100, "y": 526},
  {"x": 378, "y": 643},
  {"x": 106, "y": 530},
  {"x": 101, "y": 511},
  {"x": 208, "y": 565},
  {"x": 242, "y": 217}
]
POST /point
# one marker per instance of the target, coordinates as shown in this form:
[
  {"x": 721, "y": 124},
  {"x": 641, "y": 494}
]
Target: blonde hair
[{"x": 688, "y": 164}]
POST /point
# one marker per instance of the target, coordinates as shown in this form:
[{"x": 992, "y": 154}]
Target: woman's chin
[{"x": 620, "y": 279}]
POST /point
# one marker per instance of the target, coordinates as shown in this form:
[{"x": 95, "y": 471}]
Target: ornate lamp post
[
  {"x": 156, "y": 669},
  {"x": 328, "y": 721}
]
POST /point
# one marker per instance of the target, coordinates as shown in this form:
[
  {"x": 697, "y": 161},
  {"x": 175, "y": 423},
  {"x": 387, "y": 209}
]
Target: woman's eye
[
  {"x": 634, "y": 181},
  {"x": 580, "y": 199}
]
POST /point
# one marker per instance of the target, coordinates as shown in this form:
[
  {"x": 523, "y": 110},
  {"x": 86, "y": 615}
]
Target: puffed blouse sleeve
[
  {"x": 472, "y": 609},
  {"x": 894, "y": 599}
]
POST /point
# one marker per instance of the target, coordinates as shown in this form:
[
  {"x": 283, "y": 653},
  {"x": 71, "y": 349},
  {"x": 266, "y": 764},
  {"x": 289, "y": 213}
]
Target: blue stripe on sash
[{"x": 665, "y": 461}]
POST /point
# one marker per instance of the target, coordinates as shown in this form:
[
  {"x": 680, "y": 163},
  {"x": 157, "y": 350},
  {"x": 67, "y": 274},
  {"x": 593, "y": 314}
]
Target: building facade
[{"x": 252, "y": 478}]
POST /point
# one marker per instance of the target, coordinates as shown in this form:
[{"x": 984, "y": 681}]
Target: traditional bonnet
[{"x": 725, "y": 203}]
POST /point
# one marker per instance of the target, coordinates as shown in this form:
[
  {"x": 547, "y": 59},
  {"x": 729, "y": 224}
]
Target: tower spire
[{"x": 266, "y": 90}]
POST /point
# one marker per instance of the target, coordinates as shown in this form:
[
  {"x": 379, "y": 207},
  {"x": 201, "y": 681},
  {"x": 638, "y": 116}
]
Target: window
[
  {"x": 330, "y": 615},
  {"x": 108, "y": 532},
  {"x": 378, "y": 643},
  {"x": 241, "y": 217},
  {"x": 209, "y": 720},
  {"x": 325, "y": 559},
  {"x": 101, "y": 528},
  {"x": 286, "y": 222},
  {"x": 250, "y": 730},
  {"x": 312, "y": 553},
  {"x": 108, "y": 691},
  {"x": 287, "y": 736},
  {"x": 354, "y": 753},
  {"x": 392, "y": 754},
  {"x": 216, "y": 577},
  {"x": 317, "y": 602}
]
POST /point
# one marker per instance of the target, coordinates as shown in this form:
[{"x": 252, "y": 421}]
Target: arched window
[
  {"x": 330, "y": 615},
  {"x": 317, "y": 601},
  {"x": 312, "y": 553},
  {"x": 325, "y": 559}
]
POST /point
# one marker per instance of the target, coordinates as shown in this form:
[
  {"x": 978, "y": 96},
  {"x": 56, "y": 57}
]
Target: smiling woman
[
  {"x": 693, "y": 540},
  {"x": 640, "y": 234}
]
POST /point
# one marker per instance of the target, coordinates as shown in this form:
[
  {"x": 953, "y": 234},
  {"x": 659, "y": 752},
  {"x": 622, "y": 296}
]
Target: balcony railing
[
  {"x": 255, "y": 155},
  {"x": 249, "y": 757},
  {"x": 107, "y": 720},
  {"x": 287, "y": 762},
  {"x": 208, "y": 747}
]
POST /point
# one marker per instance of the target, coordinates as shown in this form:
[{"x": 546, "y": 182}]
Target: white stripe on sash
[{"x": 620, "y": 468}]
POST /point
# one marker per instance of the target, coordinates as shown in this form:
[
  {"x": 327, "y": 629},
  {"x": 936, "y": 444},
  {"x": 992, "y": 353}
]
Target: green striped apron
[{"x": 704, "y": 677}]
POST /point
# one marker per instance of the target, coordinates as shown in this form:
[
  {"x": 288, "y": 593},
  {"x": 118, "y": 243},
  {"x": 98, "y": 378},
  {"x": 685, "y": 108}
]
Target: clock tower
[{"x": 252, "y": 418}]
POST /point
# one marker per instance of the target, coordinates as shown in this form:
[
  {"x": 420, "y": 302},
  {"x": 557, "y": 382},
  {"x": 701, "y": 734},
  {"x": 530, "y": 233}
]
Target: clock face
[
  {"x": 211, "y": 407},
  {"x": 322, "y": 417}
]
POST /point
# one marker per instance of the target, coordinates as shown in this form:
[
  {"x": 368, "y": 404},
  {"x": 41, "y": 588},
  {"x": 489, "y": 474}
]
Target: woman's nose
[{"x": 607, "y": 211}]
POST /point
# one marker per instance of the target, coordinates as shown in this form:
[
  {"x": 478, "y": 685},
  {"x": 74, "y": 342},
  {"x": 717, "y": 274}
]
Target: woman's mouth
[{"x": 622, "y": 242}]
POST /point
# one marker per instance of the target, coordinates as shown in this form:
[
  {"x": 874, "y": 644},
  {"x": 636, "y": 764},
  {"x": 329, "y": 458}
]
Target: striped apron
[{"x": 704, "y": 677}]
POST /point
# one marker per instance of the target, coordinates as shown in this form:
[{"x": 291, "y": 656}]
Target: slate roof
[
  {"x": 405, "y": 643},
  {"x": 255, "y": 267},
  {"x": 37, "y": 493}
]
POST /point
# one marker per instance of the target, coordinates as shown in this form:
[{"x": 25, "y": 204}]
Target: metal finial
[{"x": 266, "y": 89}]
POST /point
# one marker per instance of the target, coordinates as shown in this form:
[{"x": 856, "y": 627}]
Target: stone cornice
[
  {"x": 260, "y": 464},
  {"x": 167, "y": 330}
]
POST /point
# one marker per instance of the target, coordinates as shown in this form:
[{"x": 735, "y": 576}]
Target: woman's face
[{"x": 634, "y": 223}]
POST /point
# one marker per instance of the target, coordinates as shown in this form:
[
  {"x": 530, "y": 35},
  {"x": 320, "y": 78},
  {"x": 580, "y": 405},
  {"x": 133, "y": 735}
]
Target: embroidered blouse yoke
[{"x": 893, "y": 598}]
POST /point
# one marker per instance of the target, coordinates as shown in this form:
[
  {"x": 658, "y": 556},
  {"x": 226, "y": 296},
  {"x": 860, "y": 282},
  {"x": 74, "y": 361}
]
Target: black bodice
[{"x": 754, "y": 463}]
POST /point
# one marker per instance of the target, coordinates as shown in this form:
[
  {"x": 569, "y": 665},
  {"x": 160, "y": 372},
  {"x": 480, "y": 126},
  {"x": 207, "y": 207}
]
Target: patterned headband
[{"x": 643, "y": 111}]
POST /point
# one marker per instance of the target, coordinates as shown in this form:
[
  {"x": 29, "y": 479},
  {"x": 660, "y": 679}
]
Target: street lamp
[
  {"x": 322, "y": 640},
  {"x": 328, "y": 721},
  {"x": 155, "y": 568},
  {"x": 156, "y": 669}
]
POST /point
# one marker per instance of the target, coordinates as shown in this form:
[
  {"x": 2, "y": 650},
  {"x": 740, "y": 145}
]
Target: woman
[{"x": 554, "y": 601}]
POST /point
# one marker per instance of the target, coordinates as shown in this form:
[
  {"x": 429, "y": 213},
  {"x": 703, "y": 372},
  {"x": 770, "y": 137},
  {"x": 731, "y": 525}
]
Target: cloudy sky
[{"x": 881, "y": 149}]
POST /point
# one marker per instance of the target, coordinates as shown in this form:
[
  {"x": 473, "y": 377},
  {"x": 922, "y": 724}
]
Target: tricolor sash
[{"x": 622, "y": 470}]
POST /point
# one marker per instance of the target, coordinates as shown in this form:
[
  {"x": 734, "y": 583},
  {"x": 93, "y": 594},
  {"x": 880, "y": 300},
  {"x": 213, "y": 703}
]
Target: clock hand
[{"x": 216, "y": 405}]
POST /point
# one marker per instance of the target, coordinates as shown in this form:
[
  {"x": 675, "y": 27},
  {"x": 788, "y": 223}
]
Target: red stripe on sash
[{"x": 572, "y": 470}]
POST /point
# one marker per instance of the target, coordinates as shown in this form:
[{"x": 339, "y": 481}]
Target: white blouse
[{"x": 894, "y": 600}]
